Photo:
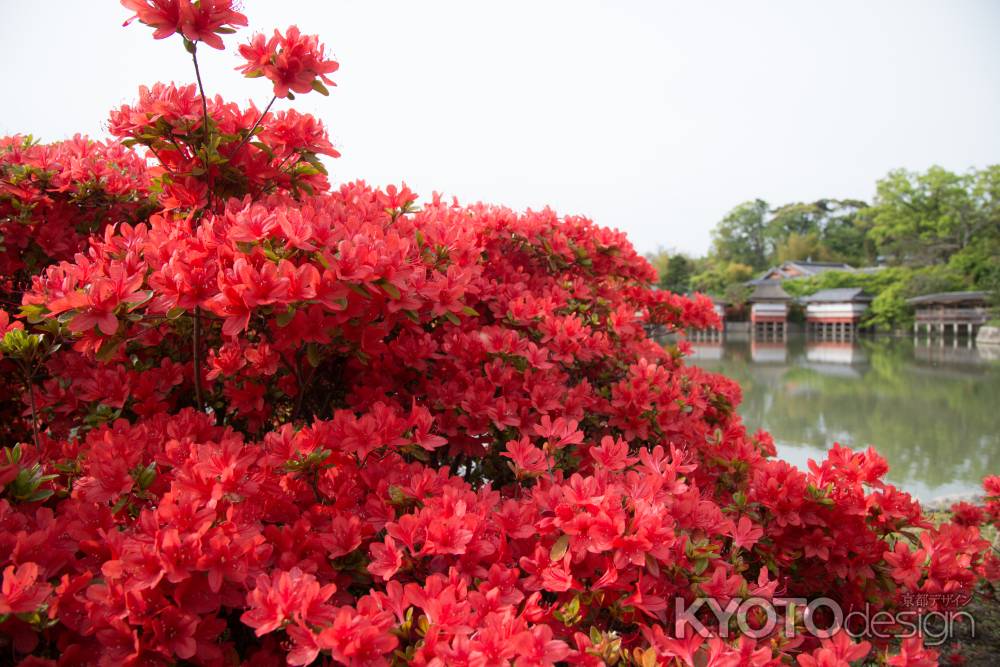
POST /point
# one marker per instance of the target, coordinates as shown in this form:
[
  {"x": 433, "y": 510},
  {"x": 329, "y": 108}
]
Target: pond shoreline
[{"x": 927, "y": 406}]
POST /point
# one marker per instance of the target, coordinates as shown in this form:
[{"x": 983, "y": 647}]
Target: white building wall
[
  {"x": 769, "y": 309},
  {"x": 831, "y": 310}
]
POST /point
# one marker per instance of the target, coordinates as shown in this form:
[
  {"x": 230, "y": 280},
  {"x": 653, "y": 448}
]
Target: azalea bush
[{"x": 256, "y": 418}]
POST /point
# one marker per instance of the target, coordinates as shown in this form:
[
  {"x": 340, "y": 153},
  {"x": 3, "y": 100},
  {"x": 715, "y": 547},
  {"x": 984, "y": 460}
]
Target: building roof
[
  {"x": 801, "y": 269},
  {"x": 819, "y": 267},
  {"x": 838, "y": 295},
  {"x": 769, "y": 291},
  {"x": 945, "y": 298}
]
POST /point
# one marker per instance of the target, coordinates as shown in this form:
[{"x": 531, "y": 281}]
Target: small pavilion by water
[
  {"x": 836, "y": 313},
  {"x": 769, "y": 311},
  {"x": 950, "y": 312}
]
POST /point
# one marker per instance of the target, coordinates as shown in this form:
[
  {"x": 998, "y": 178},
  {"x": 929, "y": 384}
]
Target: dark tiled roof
[
  {"x": 948, "y": 298},
  {"x": 820, "y": 265},
  {"x": 769, "y": 291},
  {"x": 839, "y": 295},
  {"x": 805, "y": 268}
]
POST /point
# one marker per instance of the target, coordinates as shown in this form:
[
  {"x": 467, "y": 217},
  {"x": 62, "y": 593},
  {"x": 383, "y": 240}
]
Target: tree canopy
[{"x": 940, "y": 229}]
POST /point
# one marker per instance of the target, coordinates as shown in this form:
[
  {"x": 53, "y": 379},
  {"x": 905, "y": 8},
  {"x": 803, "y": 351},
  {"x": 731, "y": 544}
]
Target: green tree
[
  {"x": 801, "y": 247},
  {"x": 924, "y": 218},
  {"x": 677, "y": 277},
  {"x": 742, "y": 236},
  {"x": 737, "y": 295},
  {"x": 717, "y": 277},
  {"x": 659, "y": 260},
  {"x": 824, "y": 230}
]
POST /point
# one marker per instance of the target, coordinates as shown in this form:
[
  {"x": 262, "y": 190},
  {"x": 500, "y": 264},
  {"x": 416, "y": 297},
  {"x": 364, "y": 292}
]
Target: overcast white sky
[{"x": 652, "y": 117}]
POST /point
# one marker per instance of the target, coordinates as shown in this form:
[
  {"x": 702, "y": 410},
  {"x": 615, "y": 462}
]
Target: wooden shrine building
[
  {"x": 769, "y": 311},
  {"x": 950, "y": 312},
  {"x": 836, "y": 313}
]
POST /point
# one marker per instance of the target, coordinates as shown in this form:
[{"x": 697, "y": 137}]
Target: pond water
[{"x": 931, "y": 408}]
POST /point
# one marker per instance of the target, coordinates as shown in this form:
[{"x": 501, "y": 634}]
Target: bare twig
[
  {"x": 204, "y": 123},
  {"x": 34, "y": 411},
  {"x": 254, "y": 128},
  {"x": 196, "y": 356}
]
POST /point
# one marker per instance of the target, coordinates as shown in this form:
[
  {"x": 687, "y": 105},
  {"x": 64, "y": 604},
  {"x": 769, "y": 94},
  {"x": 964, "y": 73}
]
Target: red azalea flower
[
  {"x": 293, "y": 62},
  {"x": 200, "y": 21},
  {"x": 21, "y": 591}
]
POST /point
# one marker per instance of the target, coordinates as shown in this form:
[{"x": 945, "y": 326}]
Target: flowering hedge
[{"x": 258, "y": 419}]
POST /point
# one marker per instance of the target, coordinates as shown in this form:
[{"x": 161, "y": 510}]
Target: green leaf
[
  {"x": 318, "y": 256},
  {"x": 41, "y": 495},
  {"x": 318, "y": 86},
  {"x": 453, "y": 318},
  {"x": 652, "y": 565},
  {"x": 34, "y": 312},
  {"x": 119, "y": 505},
  {"x": 560, "y": 548},
  {"x": 108, "y": 349},
  {"x": 285, "y": 318},
  {"x": 262, "y": 146},
  {"x": 146, "y": 476},
  {"x": 360, "y": 289},
  {"x": 389, "y": 289},
  {"x": 568, "y": 612},
  {"x": 314, "y": 354}
]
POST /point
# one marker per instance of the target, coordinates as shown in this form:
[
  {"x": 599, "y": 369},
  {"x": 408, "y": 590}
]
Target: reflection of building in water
[
  {"x": 766, "y": 352},
  {"x": 949, "y": 312},
  {"x": 957, "y": 351},
  {"x": 837, "y": 358},
  {"x": 835, "y": 313},
  {"x": 706, "y": 351},
  {"x": 936, "y": 424},
  {"x": 832, "y": 352},
  {"x": 769, "y": 311},
  {"x": 989, "y": 352}
]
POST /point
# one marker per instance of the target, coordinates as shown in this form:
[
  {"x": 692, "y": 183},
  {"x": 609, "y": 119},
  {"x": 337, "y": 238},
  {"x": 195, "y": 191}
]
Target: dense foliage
[
  {"x": 891, "y": 286},
  {"x": 933, "y": 231},
  {"x": 264, "y": 419}
]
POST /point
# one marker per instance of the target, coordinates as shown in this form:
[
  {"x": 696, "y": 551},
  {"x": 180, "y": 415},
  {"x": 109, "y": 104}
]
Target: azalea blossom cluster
[
  {"x": 53, "y": 196},
  {"x": 294, "y": 63},
  {"x": 196, "y": 20},
  {"x": 269, "y": 421}
]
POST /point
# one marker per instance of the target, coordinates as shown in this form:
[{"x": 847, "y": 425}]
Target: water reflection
[{"x": 931, "y": 409}]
